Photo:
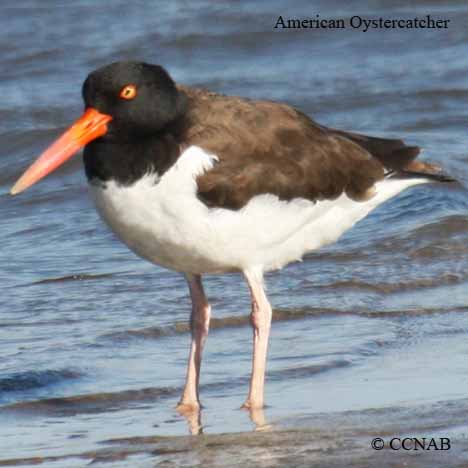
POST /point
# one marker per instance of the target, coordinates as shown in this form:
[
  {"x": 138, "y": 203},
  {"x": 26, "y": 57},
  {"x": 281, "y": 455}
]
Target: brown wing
[{"x": 266, "y": 147}]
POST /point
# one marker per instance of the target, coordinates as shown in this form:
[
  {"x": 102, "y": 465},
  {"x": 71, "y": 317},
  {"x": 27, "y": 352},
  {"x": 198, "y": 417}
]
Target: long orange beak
[{"x": 91, "y": 125}]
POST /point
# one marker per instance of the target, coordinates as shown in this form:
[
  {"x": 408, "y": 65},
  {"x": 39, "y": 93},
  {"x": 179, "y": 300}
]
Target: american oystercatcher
[{"x": 201, "y": 183}]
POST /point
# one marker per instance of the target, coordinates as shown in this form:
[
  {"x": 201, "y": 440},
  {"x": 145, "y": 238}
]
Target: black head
[
  {"x": 141, "y": 98},
  {"x": 130, "y": 109}
]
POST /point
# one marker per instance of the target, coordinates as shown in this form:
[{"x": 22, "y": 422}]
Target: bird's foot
[
  {"x": 252, "y": 405},
  {"x": 188, "y": 407}
]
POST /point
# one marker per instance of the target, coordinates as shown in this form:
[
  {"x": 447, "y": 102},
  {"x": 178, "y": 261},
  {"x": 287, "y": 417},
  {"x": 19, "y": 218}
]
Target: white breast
[{"x": 162, "y": 220}]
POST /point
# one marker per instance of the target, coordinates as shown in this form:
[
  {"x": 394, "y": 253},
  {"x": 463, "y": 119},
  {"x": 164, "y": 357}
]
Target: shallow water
[{"x": 369, "y": 336}]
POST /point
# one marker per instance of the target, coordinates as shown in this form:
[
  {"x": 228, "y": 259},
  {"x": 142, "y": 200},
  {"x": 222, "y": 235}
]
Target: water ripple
[{"x": 28, "y": 380}]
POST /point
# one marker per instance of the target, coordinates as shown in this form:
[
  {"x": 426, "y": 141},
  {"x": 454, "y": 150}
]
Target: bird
[{"x": 204, "y": 183}]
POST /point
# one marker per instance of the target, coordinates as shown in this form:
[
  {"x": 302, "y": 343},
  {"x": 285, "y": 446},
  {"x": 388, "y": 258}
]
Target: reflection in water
[
  {"x": 194, "y": 421},
  {"x": 257, "y": 416},
  {"x": 195, "y": 426}
]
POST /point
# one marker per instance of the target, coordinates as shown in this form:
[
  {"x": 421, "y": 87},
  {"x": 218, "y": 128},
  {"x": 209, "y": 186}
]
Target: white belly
[{"x": 163, "y": 221}]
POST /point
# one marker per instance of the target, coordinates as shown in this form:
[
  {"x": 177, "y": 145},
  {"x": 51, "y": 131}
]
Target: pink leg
[
  {"x": 261, "y": 323},
  {"x": 199, "y": 324}
]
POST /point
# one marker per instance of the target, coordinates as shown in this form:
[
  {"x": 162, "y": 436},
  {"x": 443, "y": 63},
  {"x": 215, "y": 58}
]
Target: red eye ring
[{"x": 128, "y": 92}]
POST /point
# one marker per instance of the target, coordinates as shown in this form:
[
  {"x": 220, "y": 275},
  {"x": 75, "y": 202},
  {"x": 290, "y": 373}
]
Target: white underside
[{"x": 163, "y": 221}]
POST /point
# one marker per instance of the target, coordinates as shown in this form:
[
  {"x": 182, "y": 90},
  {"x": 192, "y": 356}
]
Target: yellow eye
[{"x": 128, "y": 92}]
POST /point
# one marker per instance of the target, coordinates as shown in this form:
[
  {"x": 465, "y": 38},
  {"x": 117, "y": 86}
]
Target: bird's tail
[
  {"x": 398, "y": 158},
  {"x": 420, "y": 169}
]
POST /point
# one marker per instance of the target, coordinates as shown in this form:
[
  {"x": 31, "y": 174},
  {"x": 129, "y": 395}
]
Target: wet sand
[{"x": 332, "y": 440}]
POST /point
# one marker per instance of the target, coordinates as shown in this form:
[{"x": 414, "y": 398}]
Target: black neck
[
  {"x": 126, "y": 157},
  {"x": 127, "y": 161}
]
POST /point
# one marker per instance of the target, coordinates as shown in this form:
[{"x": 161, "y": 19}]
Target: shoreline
[{"x": 331, "y": 440}]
